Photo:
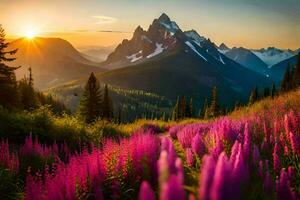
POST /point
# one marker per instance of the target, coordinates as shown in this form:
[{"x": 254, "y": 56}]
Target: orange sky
[{"x": 252, "y": 24}]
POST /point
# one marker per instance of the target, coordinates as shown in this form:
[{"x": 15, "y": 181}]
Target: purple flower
[
  {"x": 172, "y": 189},
  {"x": 189, "y": 157},
  {"x": 295, "y": 143},
  {"x": 221, "y": 187},
  {"x": 198, "y": 145},
  {"x": 268, "y": 183},
  {"x": 206, "y": 177},
  {"x": 256, "y": 155},
  {"x": 283, "y": 188},
  {"x": 146, "y": 193}
]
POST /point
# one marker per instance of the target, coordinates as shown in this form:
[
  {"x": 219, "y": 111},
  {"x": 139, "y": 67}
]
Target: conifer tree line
[
  {"x": 93, "y": 105},
  {"x": 182, "y": 109},
  {"x": 290, "y": 81},
  {"x": 20, "y": 94},
  {"x": 291, "y": 78}
]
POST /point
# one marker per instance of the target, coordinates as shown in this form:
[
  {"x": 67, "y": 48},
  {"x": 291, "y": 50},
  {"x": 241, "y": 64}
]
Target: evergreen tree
[
  {"x": 107, "y": 105},
  {"x": 189, "y": 108},
  {"x": 285, "y": 83},
  {"x": 28, "y": 97},
  {"x": 175, "y": 114},
  {"x": 273, "y": 91},
  {"x": 119, "y": 119},
  {"x": 214, "y": 106},
  {"x": 204, "y": 108},
  {"x": 9, "y": 97},
  {"x": 90, "y": 107},
  {"x": 266, "y": 92},
  {"x": 296, "y": 74},
  {"x": 182, "y": 109},
  {"x": 253, "y": 96}
]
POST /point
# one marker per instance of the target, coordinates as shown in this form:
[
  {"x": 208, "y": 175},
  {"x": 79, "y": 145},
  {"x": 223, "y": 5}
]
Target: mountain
[
  {"x": 52, "y": 60},
  {"x": 169, "y": 62},
  {"x": 223, "y": 48},
  {"x": 96, "y": 53},
  {"x": 272, "y": 55},
  {"x": 277, "y": 71},
  {"x": 246, "y": 58}
]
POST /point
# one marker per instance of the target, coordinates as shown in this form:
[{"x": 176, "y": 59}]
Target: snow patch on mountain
[
  {"x": 223, "y": 51},
  {"x": 159, "y": 49},
  {"x": 171, "y": 27},
  {"x": 144, "y": 37},
  {"x": 222, "y": 60},
  {"x": 272, "y": 56},
  {"x": 195, "y": 37},
  {"x": 135, "y": 57},
  {"x": 194, "y": 49}
]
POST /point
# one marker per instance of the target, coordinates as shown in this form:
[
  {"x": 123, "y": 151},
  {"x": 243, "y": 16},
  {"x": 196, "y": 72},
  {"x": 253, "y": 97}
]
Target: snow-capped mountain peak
[{"x": 195, "y": 36}]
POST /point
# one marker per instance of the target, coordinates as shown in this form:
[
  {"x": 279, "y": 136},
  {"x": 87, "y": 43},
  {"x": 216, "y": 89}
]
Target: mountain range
[
  {"x": 163, "y": 60},
  {"x": 170, "y": 62},
  {"x": 53, "y": 61}
]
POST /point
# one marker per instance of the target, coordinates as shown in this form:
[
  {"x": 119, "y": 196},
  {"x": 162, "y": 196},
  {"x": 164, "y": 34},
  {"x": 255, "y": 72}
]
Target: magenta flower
[
  {"x": 206, "y": 177},
  {"x": 283, "y": 188},
  {"x": 295, "y": 143},
  {"x": 172, "y": 189},
  {"x": 247, "y": 142},
  {"x": 256, "y": 155},
  {"x": 276, "y": 160},
  {"x": 198, "y": 145},
  {"x": 189, "y": 156},
  {"x": 146, "y": 193},
  {"x": 221, "y": 186},
  {"x": 268, "y": 183}
]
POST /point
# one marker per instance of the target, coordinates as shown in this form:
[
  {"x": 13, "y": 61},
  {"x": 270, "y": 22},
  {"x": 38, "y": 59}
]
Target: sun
[{"x": 30, "y": 34}]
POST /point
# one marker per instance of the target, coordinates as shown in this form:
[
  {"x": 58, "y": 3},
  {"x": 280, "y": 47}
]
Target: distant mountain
[
  {"x": 277, "y": 71},
  {"x": 96, "y": 53},
  {"x": 223, "y": 48},
  {"x": 52, "y": 60},
  {"x": 246, "y": 58},
  {"x": 167, "y": 61},
  {"x": 272, "y": 55}
]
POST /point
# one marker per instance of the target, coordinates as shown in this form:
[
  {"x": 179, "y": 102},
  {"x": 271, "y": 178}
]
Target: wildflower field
[{"x": 254, "y": 153}]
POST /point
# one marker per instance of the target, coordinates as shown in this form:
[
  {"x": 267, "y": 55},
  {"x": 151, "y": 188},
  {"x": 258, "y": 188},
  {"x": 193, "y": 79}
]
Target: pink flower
[
  {"x": 221, "y": 186},
  {"x": 146, "y": 193},
  {"x": 198, "y": 145},
  {"x": 189, "y": 157},
  {"x": 206, "y": 177}
]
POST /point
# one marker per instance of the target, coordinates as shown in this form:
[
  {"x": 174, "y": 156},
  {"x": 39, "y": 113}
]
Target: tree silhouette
[
  {"x": 107, "y": 106},
  {"x": 9, "y": 97},
  {"x": 90, "y": 107}
]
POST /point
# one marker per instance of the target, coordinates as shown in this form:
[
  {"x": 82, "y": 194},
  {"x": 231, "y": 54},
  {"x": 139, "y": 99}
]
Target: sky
[{"x": 247, "y": 23}]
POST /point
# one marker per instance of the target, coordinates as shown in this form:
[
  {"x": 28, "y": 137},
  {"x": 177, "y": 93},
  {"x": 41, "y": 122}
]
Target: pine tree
[
  {"x": 182, "y": 109},
  {"x": 285, "y": 83},
  {"x": 214, "y": 106},
  {"x": 266, "y": 92},
  {"x": 296, "y": 74},
  {"x": 253, "y": 96},
  {"x": 273, "y": 91},
  {"x": 90, "y": 107},
  {"x": 9, "y": 97},
  {"x": 175, "y": 113},
  {"x": 189, "y": 108},
  {"x": 28, "y": 96},
  {"x": 107, "y": 106},
  {"x": 204, "y": 108}
]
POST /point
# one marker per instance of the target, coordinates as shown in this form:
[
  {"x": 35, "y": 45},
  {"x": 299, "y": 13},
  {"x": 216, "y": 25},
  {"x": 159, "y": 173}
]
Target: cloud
[
  {"x": 105, "y": 19},
  {"x": 111, "y": 31}
]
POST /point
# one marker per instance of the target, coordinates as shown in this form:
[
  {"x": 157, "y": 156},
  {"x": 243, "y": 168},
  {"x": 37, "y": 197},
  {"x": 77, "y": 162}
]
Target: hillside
[
  {"x": 52, "y": 60},
  {"x": 169, "y": 62}
]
